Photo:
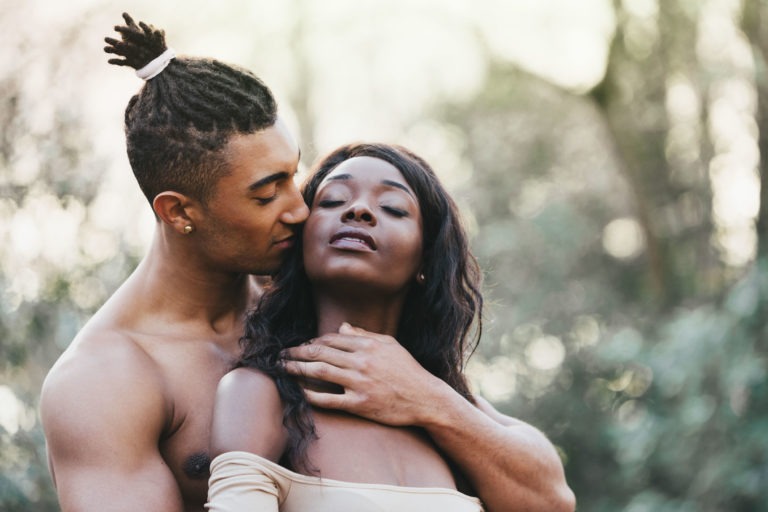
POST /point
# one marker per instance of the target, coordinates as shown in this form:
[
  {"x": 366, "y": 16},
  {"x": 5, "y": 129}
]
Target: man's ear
[{"x": 176, "y": 210}]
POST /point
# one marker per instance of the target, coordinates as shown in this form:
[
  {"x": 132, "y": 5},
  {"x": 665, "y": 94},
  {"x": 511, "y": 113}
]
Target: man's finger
[
  {"x": 345, "y": 342},
  {"x": 319, "y": 371},
  {"x": 327, "y": 400},
  {"x": 352, "y": 330},
  {"x": 346, "y": 328},
  {"x": 320, "y": 352},
  {"x": 352, "y": 339}
]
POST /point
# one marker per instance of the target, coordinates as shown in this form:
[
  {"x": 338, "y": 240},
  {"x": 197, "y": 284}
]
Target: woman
[{"x": 383, "y": 249}]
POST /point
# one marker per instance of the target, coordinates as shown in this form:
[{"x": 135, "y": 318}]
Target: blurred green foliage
[
  {"x": 660, "y": 403},
  {"x": 642, "y": 356},
  {"x": 670, "y": 418}
]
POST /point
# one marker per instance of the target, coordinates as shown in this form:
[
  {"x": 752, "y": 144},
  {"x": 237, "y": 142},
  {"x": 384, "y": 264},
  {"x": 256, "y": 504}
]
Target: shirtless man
[{"x": 127, "y": 408}]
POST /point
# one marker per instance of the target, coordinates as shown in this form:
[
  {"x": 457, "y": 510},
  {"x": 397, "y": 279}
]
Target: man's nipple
[{"x": 197, "y": 466}]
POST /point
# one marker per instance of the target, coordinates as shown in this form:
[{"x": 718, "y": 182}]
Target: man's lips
[
  {"x": 285, "y": 242},
  {"x": 351, "y": 238}
]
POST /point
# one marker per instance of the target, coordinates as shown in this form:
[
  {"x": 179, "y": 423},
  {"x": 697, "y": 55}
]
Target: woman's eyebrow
[
  {"x": 398, "y": 185},
  {"x": 389, "y": 183}
]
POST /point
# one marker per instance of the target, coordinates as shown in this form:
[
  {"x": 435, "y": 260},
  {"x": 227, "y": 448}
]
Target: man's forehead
[{"x": 261, "y": 154}]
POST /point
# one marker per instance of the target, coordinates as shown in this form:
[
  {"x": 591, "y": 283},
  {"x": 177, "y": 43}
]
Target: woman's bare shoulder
[{"x": 248, "y": 415}]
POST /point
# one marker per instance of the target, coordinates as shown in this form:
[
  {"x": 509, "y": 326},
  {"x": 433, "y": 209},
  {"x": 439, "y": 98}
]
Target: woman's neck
[{"x": 379, "y": 316}]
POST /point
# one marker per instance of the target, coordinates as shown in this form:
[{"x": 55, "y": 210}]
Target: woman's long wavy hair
[{"x": 441, "y": 319}]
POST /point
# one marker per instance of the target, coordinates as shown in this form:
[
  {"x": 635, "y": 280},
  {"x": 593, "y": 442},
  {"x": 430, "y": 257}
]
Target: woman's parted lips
[{"x": 355, "y": 234}]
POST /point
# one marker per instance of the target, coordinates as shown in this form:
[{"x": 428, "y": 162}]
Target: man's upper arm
[{"x": 103, "y": 415}]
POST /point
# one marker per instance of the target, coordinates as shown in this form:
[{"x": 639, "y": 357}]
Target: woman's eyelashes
[
  {"x": 397, "y": 212},
  {"x": 391, "y": 210}
]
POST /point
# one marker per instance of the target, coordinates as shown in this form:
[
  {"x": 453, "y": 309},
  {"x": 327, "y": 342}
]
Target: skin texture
[
  {"x": 371, "y": 204},
  {"x": 510, "y": 464},
  {"x": 401, "y": 416},
  {"x": 362, "y": 252},
  {"x": 127, "y": 408}
]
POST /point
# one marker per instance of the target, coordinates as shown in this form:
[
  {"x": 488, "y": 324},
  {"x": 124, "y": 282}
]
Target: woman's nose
[{"x": 359, "y": 213}]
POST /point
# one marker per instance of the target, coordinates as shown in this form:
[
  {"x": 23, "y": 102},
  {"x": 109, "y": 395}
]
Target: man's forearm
[{"x": 512, "y": 466}]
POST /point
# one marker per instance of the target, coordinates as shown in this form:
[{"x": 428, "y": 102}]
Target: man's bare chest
[
  {"x": 186, "y": 451},
  {"x": 191, "y": 381}
]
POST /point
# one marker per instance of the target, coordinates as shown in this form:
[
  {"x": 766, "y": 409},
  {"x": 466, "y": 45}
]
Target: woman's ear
[
  {"x": 176, "y": 210},
  {"x": 420, "y": 277}
]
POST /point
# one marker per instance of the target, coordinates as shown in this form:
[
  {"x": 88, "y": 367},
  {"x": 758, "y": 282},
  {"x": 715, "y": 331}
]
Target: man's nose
[{"x": 298, "y": 210}]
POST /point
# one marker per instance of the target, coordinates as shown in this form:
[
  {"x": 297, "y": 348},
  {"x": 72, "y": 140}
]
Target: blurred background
[{"x": 606, "y": 156}]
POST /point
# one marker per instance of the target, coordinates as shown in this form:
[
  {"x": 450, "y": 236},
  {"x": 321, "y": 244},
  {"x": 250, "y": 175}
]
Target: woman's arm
[{"x": 247, "y": 418}]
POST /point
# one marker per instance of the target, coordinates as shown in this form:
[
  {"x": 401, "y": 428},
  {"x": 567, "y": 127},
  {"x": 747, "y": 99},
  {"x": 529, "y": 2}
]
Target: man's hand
[
  {"x": 381, "y": 380},
  {"x": 511, "y": 465}
]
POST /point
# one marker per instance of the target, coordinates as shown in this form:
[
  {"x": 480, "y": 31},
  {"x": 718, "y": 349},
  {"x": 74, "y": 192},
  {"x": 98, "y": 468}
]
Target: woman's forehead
[{"x": 366, "y": 169}]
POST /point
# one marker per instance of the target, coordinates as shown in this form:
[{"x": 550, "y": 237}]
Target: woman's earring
[
  {"x": 421, "y": 278},
  {"x": 188, "y": 229}
]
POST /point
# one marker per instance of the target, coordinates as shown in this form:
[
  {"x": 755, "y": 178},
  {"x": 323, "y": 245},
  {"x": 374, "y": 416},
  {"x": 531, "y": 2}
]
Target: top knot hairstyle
[{"x": 180, "y": 120}]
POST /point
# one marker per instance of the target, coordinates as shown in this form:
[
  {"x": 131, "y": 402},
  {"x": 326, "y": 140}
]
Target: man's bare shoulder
[
  {"x": 104, "y": 409},
  {"x": 103, "y": 350},
  {"x": 104, "y": 375}
]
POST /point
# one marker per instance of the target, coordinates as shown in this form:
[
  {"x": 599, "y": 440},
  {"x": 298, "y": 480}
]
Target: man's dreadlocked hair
[{"x": 178, "y": 123}]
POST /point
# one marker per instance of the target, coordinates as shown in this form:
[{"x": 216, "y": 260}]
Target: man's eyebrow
[{"x": 269, "y": 179}]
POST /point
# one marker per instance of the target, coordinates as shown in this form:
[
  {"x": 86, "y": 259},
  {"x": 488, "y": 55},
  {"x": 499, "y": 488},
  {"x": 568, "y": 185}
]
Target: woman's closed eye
[{"x": 392, "y": 210}]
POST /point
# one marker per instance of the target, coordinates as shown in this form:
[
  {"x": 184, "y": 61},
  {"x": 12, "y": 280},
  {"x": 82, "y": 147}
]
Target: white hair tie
[{"x": 156, "y": 65}]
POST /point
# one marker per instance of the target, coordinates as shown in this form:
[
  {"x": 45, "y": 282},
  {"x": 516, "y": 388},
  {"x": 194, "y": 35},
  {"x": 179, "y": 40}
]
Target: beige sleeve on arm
[{"x": 241, "y": 483}]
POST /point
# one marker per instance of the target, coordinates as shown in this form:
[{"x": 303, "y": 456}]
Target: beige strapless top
[{"x": 244, "y": 482}]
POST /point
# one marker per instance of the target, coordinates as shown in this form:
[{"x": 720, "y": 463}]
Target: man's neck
[{"x": 180, "y": 291}]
